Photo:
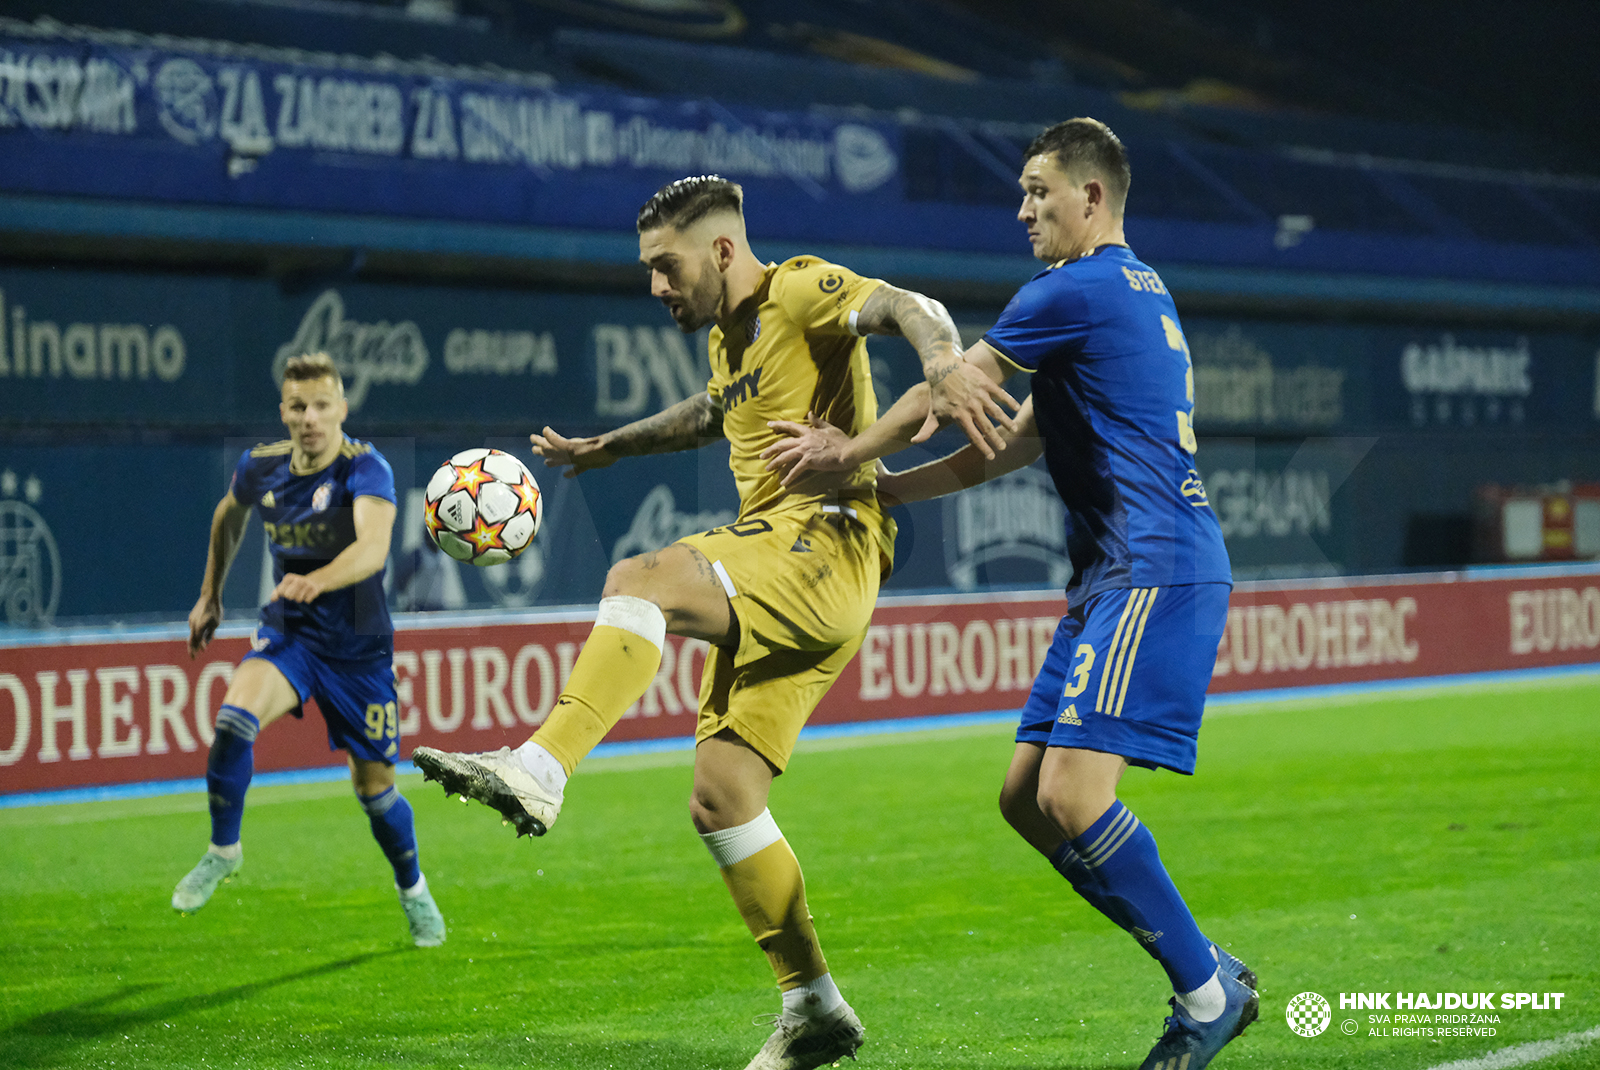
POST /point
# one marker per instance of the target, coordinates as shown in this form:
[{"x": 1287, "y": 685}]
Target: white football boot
[
  {"x": 497, "y": 779},
  {"x": 801, "y": 1043},
  {"x": 422, "y": 914},
  {"x": 195, "y": 889}
]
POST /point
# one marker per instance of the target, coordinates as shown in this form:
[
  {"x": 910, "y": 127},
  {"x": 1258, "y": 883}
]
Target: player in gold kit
[{"x": 784, "y": 594}]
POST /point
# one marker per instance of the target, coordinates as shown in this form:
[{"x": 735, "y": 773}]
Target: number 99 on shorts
[{"x": 383, "y": 721}]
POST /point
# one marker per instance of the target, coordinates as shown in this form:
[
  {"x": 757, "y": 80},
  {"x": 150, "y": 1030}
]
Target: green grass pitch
[{"x": 1429, "y": 841}]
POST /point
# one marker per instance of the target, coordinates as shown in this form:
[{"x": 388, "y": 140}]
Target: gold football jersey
[{"x": 794, "y": 351}]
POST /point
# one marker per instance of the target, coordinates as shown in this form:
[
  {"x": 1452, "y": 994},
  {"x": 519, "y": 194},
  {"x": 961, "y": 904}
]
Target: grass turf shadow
[
  {"x": 45, "y": 1039},
  {"x": 558, "y": 1052}
]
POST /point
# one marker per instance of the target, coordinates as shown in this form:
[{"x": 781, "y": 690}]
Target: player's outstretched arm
[
  {"x": 967, "y": 467},
  {"x": 374, "y": 526},
  {"x": 688, "y": 425},
  {"x": 816, "y": 446},
  {"x": 959, "y": 390},
  {"x": 227, "y": 529}
]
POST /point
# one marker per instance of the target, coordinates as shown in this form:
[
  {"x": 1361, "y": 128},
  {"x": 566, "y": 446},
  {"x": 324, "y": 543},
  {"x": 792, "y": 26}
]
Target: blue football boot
[
  {"x": 1234, "y": 967},
  {"x": 1191, "y": 1045}
]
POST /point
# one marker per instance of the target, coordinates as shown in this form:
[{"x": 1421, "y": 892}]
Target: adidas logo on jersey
[
  {"x": 1070, "y": 715},
  {"x": 268, "y": 501},
  {"x": 802, "y": 545}
]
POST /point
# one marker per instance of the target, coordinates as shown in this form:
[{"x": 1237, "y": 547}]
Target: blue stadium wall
[{"x": 128, "y": 396}]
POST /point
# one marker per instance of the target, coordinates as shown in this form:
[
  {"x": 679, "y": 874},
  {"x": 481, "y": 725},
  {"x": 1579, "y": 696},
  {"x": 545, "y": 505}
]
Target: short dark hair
[
  {"x": 311, "y": 366},
  {"x": 1087, "y": 145},
  {"x": 684, "y": 203}
]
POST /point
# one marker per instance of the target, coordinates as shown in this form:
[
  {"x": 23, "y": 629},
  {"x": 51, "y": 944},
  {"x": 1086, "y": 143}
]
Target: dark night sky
[{"x": 1529, "y": 67}]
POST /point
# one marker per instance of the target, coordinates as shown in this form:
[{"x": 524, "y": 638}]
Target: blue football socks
[
  {"x": 228, "y": 770},
  {"x": 1069, "y": 865},
  {"x": 1119, "y": 872},
  {"x": 395, "y": 831}
]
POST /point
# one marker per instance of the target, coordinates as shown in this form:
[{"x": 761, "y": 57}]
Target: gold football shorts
[{"x": 802, "y": 583}]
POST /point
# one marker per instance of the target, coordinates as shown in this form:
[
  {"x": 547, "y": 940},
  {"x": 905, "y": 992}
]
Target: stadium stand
[{"x": 965, "y": 121}]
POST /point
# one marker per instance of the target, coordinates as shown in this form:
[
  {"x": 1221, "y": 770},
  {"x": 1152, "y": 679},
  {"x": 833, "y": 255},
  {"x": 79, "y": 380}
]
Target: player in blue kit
[
  {"x": 328, "y": 505},
  {"x": 1125, "y": 678}
]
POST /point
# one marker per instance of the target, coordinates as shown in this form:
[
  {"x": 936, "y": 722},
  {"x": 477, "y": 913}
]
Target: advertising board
[{"x": 104, "y": 711}]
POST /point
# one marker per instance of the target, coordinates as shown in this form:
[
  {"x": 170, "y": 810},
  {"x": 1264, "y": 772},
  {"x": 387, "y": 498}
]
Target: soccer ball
[{"x": 482, "y": 506}]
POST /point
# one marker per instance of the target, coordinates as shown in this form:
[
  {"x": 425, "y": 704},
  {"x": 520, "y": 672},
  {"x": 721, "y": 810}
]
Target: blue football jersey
[
  {"x": 309, "y": 519},
  {"x": 1113, "y": 393}
]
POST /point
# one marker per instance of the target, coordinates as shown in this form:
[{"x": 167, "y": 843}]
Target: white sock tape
[
  {"x": 731, "y": 846},
  {"x": 637, "y": 615}
]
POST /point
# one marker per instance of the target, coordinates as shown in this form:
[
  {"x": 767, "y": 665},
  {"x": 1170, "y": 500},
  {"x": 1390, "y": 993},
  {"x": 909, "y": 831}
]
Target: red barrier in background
[{"x": 77, "y": 714}]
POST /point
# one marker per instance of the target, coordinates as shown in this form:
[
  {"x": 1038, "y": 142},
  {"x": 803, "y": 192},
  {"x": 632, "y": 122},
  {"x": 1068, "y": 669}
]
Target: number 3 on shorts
[
  {"x": 383, "y": 722},
  {"x": 1080, "y": 672}
]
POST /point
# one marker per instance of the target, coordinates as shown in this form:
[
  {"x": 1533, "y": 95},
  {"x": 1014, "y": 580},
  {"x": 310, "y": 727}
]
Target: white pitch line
[{"x": 1523, "y": 1054}]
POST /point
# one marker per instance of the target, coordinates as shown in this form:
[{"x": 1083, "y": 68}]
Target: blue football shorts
[
  {"x": 1127, "y": 674},
  {"x": 357, "y": 698}
]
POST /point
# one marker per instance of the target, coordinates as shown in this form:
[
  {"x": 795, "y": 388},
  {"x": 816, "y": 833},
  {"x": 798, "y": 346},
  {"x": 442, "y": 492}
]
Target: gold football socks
[
  {"x": 764, "y": 877},
  {"x": 612, "y": 672}
]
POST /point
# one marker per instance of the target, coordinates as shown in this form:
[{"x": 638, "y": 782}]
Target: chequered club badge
[{"x": 1309, "y": 1014}]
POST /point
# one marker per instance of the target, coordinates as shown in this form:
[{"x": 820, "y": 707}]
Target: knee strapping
[{"x": 731, "y": 846}]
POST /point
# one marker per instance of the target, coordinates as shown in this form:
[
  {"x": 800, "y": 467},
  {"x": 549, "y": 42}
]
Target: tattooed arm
[
  {"x": 959, "y": 391},
  {"x": 818, "y": 446},
  {"x": 688, "y": 425}
]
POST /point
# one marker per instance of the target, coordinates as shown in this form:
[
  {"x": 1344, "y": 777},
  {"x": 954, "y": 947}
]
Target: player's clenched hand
[
  {"x": 296, "y": 588},
  {"x": 814, "y": 446},
  {"x": 581, "y": 454},
  {"x": 203, "y": 621},
  {"x": 966, "y": 395}
]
